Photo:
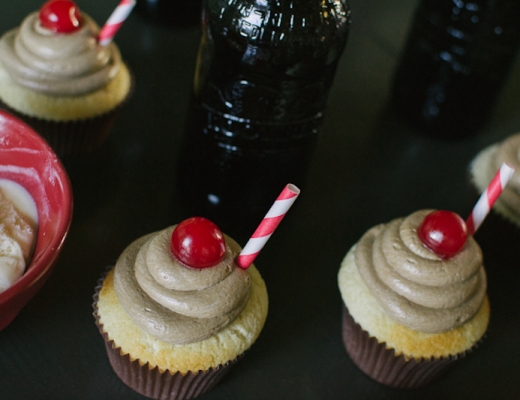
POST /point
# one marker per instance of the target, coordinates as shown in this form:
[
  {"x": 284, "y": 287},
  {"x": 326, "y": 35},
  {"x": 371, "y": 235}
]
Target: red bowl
[{"x": 27, "y": 159}]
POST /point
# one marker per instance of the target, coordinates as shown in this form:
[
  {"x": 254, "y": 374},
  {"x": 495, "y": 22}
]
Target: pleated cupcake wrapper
[
  {"x": 151, "y": 382},
  {"x": 384, "y": 366},
  {"x": 75, "y": 137}
]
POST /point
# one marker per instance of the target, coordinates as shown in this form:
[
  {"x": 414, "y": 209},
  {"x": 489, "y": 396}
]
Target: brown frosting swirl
[
  {"x": 509, "y": 151},
  {"x": 59, "y": 64},
  {"x": 415, "y": 286},
  {"x": 175, "y": 303}
]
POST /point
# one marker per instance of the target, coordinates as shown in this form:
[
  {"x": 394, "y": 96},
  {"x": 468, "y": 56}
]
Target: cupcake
[
  {"x": 414, "y": 294},
  {"x": 176, "y": 312},
  {"x": 56, "y": 77},
  {"x": 484, "y": 167}
]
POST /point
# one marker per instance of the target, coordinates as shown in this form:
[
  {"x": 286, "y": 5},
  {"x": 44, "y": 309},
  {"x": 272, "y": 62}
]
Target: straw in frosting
[{"x": 266, "y": 228}]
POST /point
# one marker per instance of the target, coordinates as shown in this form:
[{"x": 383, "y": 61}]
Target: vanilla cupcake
[
  {"x": 57, "y": 77},
  {"x": 410, "y": 308},
  {"x": 172, "y": 330}
]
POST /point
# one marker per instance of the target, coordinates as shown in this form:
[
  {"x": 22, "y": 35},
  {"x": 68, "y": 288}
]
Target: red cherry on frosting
[
  {"x": 198, "y": 243},
  {"x": 443, "y": 232},
  {"x": 61, "y": 16}
]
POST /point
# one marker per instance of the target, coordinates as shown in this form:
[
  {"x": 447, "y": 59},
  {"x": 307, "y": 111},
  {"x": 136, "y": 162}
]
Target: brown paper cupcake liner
[
  {"x": 384, "y": 366},
  {"x": 150, "y": 381},
  {"x": 72, "y": 138}
]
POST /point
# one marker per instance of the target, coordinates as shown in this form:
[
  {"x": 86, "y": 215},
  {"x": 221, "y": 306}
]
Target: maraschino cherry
[
  {"x": 198, "y": 243},
  {"x": 62, "y": 16},
  {"x": 443, "y": 232}
]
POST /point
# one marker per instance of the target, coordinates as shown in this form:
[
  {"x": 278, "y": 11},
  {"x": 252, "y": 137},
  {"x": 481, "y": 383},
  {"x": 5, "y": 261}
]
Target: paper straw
[
  {"x": 488, "y": 198},
  {"x": 115, "y": 21},
  {"x": 266, "y": 228}
]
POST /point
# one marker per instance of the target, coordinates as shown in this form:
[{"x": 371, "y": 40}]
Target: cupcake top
[
  {"x": 488, "y": 162},
  {"x": 416, "y": 287},
  {"x": 174, "y": 302},
  {"x": 58, "y": 63}
]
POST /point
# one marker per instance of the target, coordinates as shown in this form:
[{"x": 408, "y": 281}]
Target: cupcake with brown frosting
[
  {"x": 60, "y": 80},
  {"x": 409, "y": 309},
  {"x": 172, "y": 330}
]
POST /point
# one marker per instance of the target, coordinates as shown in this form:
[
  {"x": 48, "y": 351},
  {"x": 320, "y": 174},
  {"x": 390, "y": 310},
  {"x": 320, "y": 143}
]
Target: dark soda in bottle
[
  {"x": 171, "y": 12},
  {"x": 456, "y": 60},
  {"x": 262, "y": 79}
]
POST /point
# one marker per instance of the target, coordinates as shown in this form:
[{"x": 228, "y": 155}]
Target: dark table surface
[{"x": 368, "y": 168}]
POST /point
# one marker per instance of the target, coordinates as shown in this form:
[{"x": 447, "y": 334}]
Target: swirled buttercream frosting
[
  {"x": 58, "y": 64},
  {"x": 413, "y": 285},
  {"x": 173, "y": 302}
]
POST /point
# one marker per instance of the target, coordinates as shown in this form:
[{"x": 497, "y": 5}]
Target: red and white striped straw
[
  {"x": 266, "y": 228},
  {"x": 488, "y": 198},
  {"x": 115, "y": 21}
]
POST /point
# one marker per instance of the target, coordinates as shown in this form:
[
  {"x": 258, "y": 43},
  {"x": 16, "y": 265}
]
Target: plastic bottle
[
  {"x": 457, "y": 58},
  {"x": 262, "y": 79},
  {"x": 171, "y": 12}
]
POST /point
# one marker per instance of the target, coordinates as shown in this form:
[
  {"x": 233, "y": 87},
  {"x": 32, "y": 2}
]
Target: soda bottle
[
  {"x": 262, "y": 79},
  {"x": 456, "y": 60},
  {"x": 171, "y": 12}
]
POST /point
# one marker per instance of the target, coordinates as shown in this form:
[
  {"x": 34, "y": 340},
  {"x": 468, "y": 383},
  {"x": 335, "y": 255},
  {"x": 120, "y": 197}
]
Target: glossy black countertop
[{"x": 368, "y": 168}]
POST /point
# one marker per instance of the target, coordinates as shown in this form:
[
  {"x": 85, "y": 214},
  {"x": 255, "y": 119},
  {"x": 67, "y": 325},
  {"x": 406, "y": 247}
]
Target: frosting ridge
[
  {"x": 56, "y": 63},
  {"x": 413, "y": 285},
  {"x": 148, "y": 284}
]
